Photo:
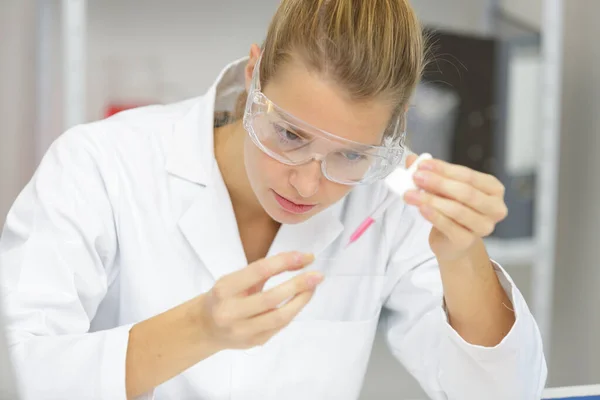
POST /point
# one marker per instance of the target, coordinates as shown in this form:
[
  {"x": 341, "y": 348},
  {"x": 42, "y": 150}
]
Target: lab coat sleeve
[
  {"x": 56, "y": 261},
  {"x": 419, "y": 335}
]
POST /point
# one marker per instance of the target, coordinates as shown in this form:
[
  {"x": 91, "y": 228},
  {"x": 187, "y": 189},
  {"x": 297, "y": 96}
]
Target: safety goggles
[{"x": 292, "y": 141}]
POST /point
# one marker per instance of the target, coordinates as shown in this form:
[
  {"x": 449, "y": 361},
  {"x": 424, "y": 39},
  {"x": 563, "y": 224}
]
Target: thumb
[{"x": 410, "y": 160}]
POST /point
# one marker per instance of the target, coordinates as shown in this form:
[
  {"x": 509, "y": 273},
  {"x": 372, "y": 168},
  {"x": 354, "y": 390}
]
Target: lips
[{"x": 292, "y": 207}]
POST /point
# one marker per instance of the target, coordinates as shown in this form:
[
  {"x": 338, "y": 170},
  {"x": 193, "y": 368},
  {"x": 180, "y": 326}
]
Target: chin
[{"x": 284, "y": 217}]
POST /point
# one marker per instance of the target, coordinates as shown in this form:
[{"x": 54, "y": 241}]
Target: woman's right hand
[
  {"x": 235, "y": 314},
  {"x": 238, "y": 314}
]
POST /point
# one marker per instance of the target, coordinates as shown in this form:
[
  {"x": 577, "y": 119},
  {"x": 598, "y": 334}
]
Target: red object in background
[{"x": 115, "y": 108}]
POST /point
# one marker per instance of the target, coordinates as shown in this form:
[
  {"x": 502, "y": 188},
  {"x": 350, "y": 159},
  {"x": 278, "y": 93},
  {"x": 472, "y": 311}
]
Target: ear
[{"x": 249, "y": 70}]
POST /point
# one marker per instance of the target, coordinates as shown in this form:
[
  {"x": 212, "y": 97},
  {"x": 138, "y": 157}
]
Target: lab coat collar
[
  {"x": 209, "y": 224},
  {"x": 190, "y": 151},
  {"x": 190, "y": 148}
]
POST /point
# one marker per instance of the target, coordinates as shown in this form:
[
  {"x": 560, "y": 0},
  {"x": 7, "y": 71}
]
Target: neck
[{"x": 229, "y": 152}]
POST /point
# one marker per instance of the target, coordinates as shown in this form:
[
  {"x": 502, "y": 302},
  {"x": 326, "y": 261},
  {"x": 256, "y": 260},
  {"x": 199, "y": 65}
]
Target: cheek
[
  {"x": 335, "y": 191},
  {"x": 259, "y": 166},
  {"x": 265, "y": 172}
]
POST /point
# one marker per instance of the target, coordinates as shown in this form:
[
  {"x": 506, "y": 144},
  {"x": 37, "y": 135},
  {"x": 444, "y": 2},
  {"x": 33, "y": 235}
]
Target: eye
[
  {"x": 286, "y": 134},
  {"x": 290, "y": 135},
  {"x": 352, "y": 156}
]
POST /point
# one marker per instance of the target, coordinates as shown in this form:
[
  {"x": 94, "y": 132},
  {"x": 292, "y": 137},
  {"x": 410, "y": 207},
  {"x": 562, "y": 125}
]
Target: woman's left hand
[{"x": 462, "y": 204}]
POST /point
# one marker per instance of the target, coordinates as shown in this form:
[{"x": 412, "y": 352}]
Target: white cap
[{"x": 401, "y": 180}]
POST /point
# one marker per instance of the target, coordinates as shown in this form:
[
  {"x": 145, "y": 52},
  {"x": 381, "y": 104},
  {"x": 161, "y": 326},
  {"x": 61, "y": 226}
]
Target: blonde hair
[{"x": 374, "y": 49}]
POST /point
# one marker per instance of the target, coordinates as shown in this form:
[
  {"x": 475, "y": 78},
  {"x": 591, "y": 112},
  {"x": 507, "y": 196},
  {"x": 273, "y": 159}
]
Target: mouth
[{"x": 292, "y": 207}]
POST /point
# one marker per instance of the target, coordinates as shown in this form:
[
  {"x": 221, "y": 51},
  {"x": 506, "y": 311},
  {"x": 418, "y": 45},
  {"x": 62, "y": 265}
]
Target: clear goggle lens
[
  {"x": 289, "y": 145},
  {"x": 292, "y": 141}
]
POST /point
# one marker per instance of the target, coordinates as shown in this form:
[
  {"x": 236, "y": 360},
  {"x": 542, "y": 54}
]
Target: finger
[
  {"x": 258, "y": 272},
  {"x": 260, "y": 303},
  {"x": 410, "y": 159},
  {"x": 491, "y": 206},
  {"x": 254, "y": 289},
  {"x": 280, "y": 317},
  {"x": 488, "y": 184},
  {"x": 471, "y": 220},
  {"x": 454, "y": 232}
]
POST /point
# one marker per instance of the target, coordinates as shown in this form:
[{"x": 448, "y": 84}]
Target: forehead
[{"x": 320, "y": 102}]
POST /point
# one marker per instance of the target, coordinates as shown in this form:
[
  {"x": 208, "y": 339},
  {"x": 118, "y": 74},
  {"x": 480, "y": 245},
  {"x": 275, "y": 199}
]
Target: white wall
[
  {"x": 17, "y": 98},
  {"x": 183, "y": 44},
  {"x": 164, "y": 52},
  {"x": 528, "y": 11},
  {"x": 576, "y": 330},
  {"x": 457, "y": 15},
  {"x": 16, "y": 128}
]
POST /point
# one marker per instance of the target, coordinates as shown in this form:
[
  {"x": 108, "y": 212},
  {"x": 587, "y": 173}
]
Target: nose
[{"x": 306, "y": 178}]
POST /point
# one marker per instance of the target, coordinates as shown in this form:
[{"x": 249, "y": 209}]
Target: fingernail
[
  {"x": 314, "y": 279},
  {"x": 299, "y": 259},
  {"x": 304, "y": 258}
]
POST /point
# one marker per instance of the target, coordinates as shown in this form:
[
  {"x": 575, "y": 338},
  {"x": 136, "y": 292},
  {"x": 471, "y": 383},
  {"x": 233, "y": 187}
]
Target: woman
[{"x": 198, "y": 250}]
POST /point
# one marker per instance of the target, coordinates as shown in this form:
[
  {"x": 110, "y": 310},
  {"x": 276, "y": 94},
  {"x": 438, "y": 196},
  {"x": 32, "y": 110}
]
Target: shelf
[{"x": 511, "y": 252}]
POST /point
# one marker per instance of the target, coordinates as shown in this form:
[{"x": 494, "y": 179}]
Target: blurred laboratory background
[{"x": 513, "y": 89}]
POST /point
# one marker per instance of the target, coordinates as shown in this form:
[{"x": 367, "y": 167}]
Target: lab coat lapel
[
  {"x": 210, "y": 227},
  {"x": 206, "y": 219},
  {"x": 313, "y": 235}
]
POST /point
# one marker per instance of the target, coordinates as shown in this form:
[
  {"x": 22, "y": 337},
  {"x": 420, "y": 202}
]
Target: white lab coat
[{"x": 128, "y": 217}]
